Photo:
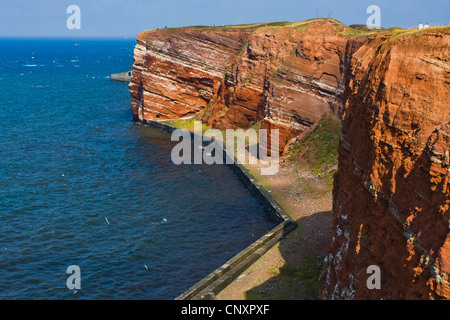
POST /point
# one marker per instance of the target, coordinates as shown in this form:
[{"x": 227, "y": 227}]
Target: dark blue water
[{"x": 81, "y": 184}]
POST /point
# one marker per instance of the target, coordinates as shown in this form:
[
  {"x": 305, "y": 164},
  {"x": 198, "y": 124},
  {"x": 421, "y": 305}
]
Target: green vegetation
[
  {"x": 299, "y": 283},
  {"x": 354, "y": 30},
  {"x": 397, "y": 33},
  {"x": 187, "y": 124},
  {"x": 306, "y": 275},
  {"x": 243, "y": 48},
  {"x": 364, "y": 28},
  {"x": 318, "y": 149},
  {"x": 228, "y": 27},
  {"x": 393, "y": 32},
  {"x": 256, "y": 126},
  {"x": 205, "y": 113},
  {"x": 297, "y": 25},
  {"x": 361, "y": 27}
]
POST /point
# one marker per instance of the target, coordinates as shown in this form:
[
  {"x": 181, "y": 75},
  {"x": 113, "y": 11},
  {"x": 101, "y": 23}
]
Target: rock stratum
[
  {"x": 284, "y": 76},
  {"x": 391, "y": 190}
]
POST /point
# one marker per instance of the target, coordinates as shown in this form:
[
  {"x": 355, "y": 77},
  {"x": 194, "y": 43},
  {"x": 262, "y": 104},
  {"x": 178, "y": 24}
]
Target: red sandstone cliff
[
  {"x": 285, "y": 76},
  {"x": 391, "y": 192}
]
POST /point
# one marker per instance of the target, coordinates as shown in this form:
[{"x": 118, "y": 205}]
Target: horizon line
[{"x": 35, "y": 37}]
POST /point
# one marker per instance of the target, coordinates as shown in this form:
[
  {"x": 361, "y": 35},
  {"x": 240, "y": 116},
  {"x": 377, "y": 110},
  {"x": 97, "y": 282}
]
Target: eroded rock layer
[
  {"x": 391, "y": 192},
  {"x": 178, "y": 71}
]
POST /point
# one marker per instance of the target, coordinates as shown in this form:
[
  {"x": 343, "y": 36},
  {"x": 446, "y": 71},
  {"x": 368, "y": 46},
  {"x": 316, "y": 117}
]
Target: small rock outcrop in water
[
  {"x": 391, "y": 191},
  {"x": 285, "y": 77},
  {"x": 122, "y": 77}
]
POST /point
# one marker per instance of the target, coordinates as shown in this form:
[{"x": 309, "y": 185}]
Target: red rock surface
[
  {"x": 391, "y": 192},
  {"x": 286, "y": 77},
  {"x": 178, "y": 71}
]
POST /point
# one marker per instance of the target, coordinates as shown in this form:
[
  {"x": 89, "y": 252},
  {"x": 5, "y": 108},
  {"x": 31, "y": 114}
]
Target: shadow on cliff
[{"x": 303, "y": 251}]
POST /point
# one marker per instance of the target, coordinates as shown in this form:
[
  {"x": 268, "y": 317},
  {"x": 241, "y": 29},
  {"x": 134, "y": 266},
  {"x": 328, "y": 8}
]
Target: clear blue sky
[{"x": 120, "y": 18}]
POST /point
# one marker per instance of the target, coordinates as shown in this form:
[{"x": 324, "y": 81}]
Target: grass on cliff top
[
  {"x": 393, "y": 32},
  {"x": 352, "y": 30},
  {"x": 397, "y": 33},
  {"x": 234, "y": 26},
  {"x": 318, "y": 149}
]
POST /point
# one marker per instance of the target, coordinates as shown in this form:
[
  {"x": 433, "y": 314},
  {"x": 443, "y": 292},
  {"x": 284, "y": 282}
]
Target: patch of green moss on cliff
[
  {"x": 187, "y": 124},
  {"x": 318, "y": 149}
]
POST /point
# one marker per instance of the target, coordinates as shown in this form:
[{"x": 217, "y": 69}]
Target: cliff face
[
  {"x": 178, "y": 71},
  {"x": 284, "y": 76},
  {"x": 391, "y": 192}
]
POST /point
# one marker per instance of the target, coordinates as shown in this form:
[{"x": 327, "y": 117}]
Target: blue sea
[{"x": 82, "y": 184}]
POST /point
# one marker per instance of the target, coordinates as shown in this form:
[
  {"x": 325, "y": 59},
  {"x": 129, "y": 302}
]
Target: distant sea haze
[{"x": 82, "y": 184}]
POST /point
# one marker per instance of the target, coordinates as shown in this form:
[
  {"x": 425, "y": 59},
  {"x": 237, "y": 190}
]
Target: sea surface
[{"x": 82, "y": 184}]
